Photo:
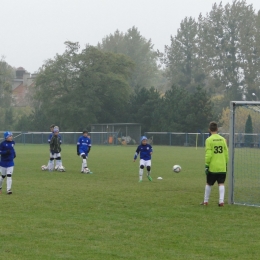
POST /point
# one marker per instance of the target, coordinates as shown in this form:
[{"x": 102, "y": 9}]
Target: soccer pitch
[{"x": 110, "y": 215}]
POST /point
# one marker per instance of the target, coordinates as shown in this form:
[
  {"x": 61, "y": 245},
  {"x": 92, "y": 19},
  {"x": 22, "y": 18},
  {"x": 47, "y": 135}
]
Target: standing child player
[
  {"x": 8, "y": 154},
  {"x": 216, "y": 159},
  {"x": 49, "y": 164},
  {"x": 55, "y": 150},
  {"x": 51, "y": 134},
  {"x": 145, "y": 151},
  {"x": 83, "y": 149}
]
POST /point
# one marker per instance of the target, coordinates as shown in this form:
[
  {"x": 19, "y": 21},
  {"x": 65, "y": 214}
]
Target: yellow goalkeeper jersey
[{"x": 216, "y": 154}]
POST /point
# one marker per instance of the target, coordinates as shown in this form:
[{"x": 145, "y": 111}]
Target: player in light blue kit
[
  {"x": 8, "y": 154},
  {"x": 83, "y": 149},
  {"x": 145, "y": 151}
]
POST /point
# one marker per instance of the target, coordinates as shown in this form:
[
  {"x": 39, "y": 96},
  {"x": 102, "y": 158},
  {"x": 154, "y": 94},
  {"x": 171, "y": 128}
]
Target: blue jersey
[
  {"x": 7, "y": 153},
  {"x": 145, "y": 152},
  {"x": 50, "y": 137},
  {"x": 83, "y": 144}
]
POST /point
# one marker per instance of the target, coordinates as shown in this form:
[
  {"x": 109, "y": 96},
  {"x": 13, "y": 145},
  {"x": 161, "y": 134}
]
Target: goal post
[{"x": 244, "y": 153}]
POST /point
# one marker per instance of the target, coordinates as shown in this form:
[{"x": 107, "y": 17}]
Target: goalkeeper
[
  {"x": 216, "y": 159},
  {"x": 83, "y": 149},
  {"x": 145, "y": 151},
  {"x": 55, "y": 150}
]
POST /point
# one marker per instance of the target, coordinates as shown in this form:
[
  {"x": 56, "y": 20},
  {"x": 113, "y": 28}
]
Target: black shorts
[{"x": 213, "y": 177}]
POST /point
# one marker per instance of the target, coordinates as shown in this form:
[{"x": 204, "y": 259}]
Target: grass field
[{"x": 110, "y": 215}]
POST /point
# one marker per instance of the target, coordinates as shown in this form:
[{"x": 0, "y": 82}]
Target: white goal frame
[{"x": 231, "y": 178}]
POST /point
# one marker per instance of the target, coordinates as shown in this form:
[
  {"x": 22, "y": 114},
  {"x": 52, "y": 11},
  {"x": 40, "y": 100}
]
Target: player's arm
[
  {"x": 151, "y": 150},
  {"x": 78, "y": 144},
  {"x": 51, "y": 145},
  {"x": 1, "y": 149},
  {"x": 136, "y": 153},
  {"x": 89, "y": 145},
  {"x": 208, "y": 152},
  {"x": 49, "y": 139},
  {"x": 208, "y": 155},
  {"x": 226, "y": 151}
]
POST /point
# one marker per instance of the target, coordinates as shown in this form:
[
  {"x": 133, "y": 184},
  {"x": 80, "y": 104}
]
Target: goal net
[{"x": 244, "y": 153}]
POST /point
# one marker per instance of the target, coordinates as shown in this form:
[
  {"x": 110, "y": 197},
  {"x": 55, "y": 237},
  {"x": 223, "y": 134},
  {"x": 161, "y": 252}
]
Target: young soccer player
[
  {"x": 8, "y": 154},
  {"x": 51, "y": 134},
  {"x": 216, "y": 159},
  {"x": 83, "y": 149},
  {"x": 145, "y": 151},
  {"x": 55, "y": 150}
]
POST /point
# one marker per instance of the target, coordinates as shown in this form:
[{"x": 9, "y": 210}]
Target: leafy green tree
[
  {"x": 227, "y": 39},
  {"x": 184, "y": 68},
  {"x": 144, "y": 107},
  {"x": 134, "y": 45},
  {"x": 184, "y": 111},
  {"x": 6, "y": 77},
  {"x": 248, "y": 130},
  {"x": 77, "y": 88},
  {"x": 9, "y": 118}
]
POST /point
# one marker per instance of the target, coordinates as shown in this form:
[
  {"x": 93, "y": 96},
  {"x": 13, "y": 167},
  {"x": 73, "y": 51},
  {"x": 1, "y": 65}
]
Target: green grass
[{"x": 110, "y": 215}]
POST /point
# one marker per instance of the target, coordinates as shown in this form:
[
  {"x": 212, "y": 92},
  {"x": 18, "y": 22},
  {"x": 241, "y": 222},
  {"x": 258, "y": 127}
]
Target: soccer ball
[
  {"x": 44, "y": 167},
  {"x": 86, "y": 170},
  {"x": 61, "y": 168},
  {"x": 176, "y": 168}
]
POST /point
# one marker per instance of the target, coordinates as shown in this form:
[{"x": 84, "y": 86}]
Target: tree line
[{"x": 210, "y": 61}]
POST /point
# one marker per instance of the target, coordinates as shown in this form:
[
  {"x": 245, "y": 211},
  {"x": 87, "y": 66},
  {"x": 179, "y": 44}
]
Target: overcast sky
[{"x": 32, "y": 31}]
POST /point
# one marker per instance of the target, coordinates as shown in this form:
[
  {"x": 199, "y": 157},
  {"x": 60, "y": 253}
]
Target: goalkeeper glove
[
  {"x": 8, "y": 152},
  {"x": 206, "y": 169}
]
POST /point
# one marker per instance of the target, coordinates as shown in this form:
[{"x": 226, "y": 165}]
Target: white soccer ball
[
  {"x": 44, "y": 167},
  {"x": 176, "y": 168},
  {"x": 61, "y": 168},
  {"x": 86, "y": 170}
]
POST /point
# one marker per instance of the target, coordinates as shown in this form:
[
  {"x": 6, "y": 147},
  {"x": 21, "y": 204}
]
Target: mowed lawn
[{"x": 110, "y": 215}]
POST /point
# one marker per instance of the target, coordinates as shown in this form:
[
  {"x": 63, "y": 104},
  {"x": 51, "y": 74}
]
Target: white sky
[{"x": 32, "y": 31}]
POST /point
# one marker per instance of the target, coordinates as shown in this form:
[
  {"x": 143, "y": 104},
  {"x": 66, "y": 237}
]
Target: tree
[
  {"x": 227, "y": 37},
  {"x": 183, "y": 64},
  {"x": 140, "y": 50},
  {"x": 77, "y": 88},
  {"x": 184, "y": 111},
  {"x": 6, "y": 77},
  {"x": 248, "y": 130},
  {"x": 144, "y": 108}
]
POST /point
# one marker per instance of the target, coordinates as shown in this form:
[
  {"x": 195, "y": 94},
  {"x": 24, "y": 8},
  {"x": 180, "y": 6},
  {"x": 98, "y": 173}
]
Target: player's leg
[
  {"x": 210, "y": 180},
  {"x": 221, "y": 180},
  {"x": 84, "y": 164},
  {"x": 9, "y": 172},
  {"x": 141, "y": 170},
  {"x": 50, "y": 165},
  {"x": 2, "y": 176},
  {"x": 148, "y": 168},
  {"x": 57, "y": 156}
]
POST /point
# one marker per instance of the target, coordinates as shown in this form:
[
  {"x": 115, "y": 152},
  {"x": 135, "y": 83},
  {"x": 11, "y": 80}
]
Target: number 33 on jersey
[{"x": 216, "y": 155}]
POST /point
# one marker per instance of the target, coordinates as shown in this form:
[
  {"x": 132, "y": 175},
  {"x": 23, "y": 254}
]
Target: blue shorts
[{"x": 81, "y": 151}]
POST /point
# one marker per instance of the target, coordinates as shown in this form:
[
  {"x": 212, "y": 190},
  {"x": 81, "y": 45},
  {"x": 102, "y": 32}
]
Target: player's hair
[
  {"x": 85, "y": 131},
  {"x": 213, "y": 126},
  {"x": 52, "y": 126}
]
